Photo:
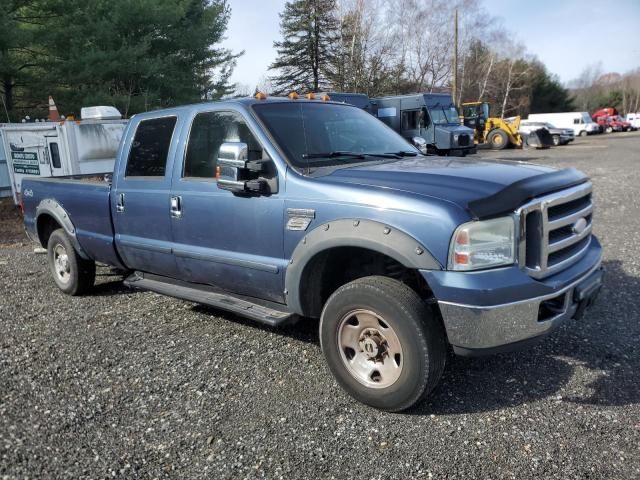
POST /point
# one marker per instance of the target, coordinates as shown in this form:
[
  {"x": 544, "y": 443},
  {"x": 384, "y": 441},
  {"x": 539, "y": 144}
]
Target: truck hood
[
  {"x": 484, "y": 188},
  {"x": 452, "y": 128}
]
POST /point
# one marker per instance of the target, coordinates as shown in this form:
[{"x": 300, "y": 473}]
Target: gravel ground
[{"x": 126, "y": 384}]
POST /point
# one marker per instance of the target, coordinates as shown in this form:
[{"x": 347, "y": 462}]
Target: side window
[
  {"x": 210, "y": 130},
  {"x": 410, "y": 119},
  {"x": 150, "y": 148},
  {"x": 576, "y": 121},
  {"x": 55, "y": 155}
]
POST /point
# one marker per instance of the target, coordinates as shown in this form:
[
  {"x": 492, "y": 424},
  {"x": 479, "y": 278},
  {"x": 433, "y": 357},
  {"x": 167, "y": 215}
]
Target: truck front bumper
[{"x": 505, "y": 309}]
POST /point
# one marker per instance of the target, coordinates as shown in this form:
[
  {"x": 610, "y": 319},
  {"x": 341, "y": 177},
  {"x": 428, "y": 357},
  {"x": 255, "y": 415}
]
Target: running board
[{"x": 269, "y": 313}]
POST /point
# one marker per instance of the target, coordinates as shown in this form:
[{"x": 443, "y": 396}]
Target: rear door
[
  {"x": 28, "y": 155},
  {"x": 54, "y": 154},
  {"x": 234, "y": 242},
  {"x": 140, "y": 199}
]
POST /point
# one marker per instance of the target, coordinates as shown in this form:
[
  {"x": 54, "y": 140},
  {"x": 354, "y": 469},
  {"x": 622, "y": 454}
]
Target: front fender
[{"x": 365, "y": 234}]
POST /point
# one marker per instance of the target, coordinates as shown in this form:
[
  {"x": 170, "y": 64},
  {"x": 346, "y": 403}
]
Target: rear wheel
[
  {"x": 583, "y": 133},
  {"x": 609, "y": 129},
  {"x": 381, "y": 342},
  {"x": 73, "y": 274},
  {"x": 498, "y": 139}
]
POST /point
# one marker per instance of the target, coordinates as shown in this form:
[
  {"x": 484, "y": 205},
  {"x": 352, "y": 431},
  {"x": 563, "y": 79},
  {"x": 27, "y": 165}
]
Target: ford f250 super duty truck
[{"x": 283, "y": 208}]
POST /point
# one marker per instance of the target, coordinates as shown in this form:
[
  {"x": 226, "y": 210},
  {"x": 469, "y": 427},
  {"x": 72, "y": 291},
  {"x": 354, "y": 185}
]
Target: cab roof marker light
[
  {"x": 261, "y": 95},
  {"x": 311, "y": 96},
  {"x": 325, "y": 98},
  {"x": 293, "y": 95}
]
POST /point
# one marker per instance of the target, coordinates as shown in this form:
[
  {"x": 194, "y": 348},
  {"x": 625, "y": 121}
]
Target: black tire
[
  {"x": 609, "y": 130},
  {"x": 583, "y": 133},
  {"x": 417, "y": 329},
  {"x": 498, "y": 139},
  {"x": 556, "y": 140},
  {"x": 73, "y": 274}
]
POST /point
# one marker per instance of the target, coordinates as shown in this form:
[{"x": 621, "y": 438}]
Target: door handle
[
  {"x": 176, "y": 206},
  {"x": 120, "y": 203}
]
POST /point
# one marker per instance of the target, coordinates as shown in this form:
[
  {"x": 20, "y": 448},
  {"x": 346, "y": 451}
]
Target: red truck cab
[{"x": 610, "y": 119}]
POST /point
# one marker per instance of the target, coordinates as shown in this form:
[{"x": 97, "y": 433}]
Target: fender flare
[
  {"x": 366, "y": 234},
  {"x": 54, "y": 209}
]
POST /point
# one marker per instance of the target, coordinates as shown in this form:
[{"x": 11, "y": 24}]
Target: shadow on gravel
[
  {"x": 304, "y": 329},
  {"x": 115, "y": 287},
  {"x": 603, "y": 342}
]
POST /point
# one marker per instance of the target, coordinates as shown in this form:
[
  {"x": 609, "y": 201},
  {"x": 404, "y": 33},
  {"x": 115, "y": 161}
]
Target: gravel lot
[{"x": 127, "y": 384}]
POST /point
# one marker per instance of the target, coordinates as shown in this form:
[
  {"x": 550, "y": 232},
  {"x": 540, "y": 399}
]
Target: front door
[
  {"x": 141, "y": 197},
  {"x": 234, "y": 242}
]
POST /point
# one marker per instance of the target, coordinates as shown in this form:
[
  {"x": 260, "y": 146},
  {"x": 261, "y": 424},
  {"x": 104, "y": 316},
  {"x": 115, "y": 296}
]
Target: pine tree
[
  {"x": 136, "y": 54},
  {"x": 547, "y": 93},
  {"x": 306, "y": 53},
  {"x": 20, "y": 57}
]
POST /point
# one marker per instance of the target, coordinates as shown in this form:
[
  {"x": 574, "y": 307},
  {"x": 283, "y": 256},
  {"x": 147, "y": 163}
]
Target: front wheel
[
  {"x": 73, "y": 274},
  {"x": 381, "y": 342},
  {"x": 498, "y": 139},
  {"x": 556, "y": 140}
]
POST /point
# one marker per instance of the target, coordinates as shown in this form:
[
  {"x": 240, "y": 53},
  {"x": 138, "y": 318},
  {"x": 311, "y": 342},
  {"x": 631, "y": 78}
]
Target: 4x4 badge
[{"x": 299, "y": 218}]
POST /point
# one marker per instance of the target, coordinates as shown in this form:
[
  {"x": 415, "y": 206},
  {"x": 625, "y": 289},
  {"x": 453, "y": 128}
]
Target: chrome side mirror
[
  {"x": 237, "y": 174},
  {"x": 232, "y": 161},
  {"x": 420, "y": 143}
]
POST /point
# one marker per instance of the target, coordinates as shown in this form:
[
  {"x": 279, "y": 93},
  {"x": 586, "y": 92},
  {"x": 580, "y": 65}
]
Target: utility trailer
[{"x": 57, "y": 149}]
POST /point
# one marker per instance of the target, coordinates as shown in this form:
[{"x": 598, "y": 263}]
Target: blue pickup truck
[{"x": 283, "y": 209}]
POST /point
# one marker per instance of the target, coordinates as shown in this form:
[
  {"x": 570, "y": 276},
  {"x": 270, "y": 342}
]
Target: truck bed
[{"x": 85, "y": 199}]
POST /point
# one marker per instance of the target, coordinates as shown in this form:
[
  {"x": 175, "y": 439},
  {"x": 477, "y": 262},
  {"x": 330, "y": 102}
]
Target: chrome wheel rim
[
  {"x": 61, "y": 263},
  {"x": 370, "y": 349}
]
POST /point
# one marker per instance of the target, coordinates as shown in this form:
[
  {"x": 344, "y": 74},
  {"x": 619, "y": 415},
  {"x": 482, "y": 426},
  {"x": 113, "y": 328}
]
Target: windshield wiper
[
  {"x": 334, "y": 154},
  {"x": 404, "y": 153}
]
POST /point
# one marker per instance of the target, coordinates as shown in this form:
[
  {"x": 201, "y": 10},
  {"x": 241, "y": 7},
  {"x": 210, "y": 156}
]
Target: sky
[{"x": 567, "y": 35}]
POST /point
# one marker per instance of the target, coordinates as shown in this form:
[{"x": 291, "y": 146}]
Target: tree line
[
  {"x": 594, "y": 89},
  {"x": 146, "y": 54},
  {"x": 135, "y": 54},
  {"x": 385, "y": 47}
]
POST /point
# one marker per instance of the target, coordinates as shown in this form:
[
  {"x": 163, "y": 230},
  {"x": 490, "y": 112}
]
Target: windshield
[
  {"x": 444, "y": 115},
  {"x": 452, "y": 114},
  {"x": 323, "y": 134}
]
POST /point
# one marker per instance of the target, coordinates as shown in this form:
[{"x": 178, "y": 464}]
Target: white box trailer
[
  {"x": 633, "y": 119},
  {"x": 580, "y": 122},
  {"x": 56, "y": 149}
]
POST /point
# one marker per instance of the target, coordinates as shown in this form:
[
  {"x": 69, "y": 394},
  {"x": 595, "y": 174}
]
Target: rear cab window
[{"x": 150, "y": 148}]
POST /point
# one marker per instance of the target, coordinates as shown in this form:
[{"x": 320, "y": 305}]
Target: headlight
[{"x": 483, "y": 244}]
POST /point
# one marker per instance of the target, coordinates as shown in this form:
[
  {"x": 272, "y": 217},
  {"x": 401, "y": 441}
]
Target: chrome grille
[{"x": 555, "y": 230}]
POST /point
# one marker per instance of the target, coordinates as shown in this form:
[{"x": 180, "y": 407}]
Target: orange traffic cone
[{"x": 54, "y": 116}]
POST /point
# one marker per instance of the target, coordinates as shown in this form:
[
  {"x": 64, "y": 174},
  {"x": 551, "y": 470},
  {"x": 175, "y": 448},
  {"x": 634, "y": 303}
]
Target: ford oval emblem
[{"x": 579, "y": 226}]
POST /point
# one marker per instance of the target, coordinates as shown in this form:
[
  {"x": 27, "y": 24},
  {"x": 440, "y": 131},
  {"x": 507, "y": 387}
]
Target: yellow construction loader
[{"x": 496, "y": 132}]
